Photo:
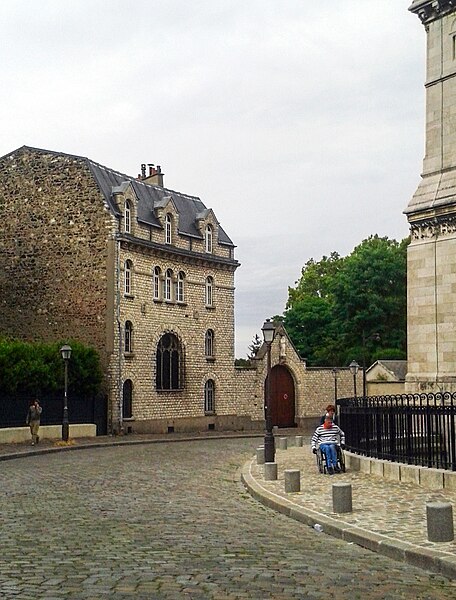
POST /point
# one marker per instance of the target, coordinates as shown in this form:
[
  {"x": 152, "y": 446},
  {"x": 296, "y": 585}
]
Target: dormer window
[
  {"x": 168, "y": 229},
  {"x": 209, "y": 236},
  {"x": 127, "y": 217}
]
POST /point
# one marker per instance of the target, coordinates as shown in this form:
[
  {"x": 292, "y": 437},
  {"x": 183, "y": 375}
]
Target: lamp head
[
  {"x": 65, "y": 351},
  {"x": 354, "y": 367},
  {"x": 268, "y": 330}
]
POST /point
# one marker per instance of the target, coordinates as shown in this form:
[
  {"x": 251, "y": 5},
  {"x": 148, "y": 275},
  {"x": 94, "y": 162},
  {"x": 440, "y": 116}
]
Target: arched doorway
[{"x": 282, "y": 397}]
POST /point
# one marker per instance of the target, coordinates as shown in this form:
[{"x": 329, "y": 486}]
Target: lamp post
[
  {"x": 268, "y": 330},
  {"x": 354, "y": 367},
  {"x": 335, "y": 371},
  {"x": 376, "y": 338},
  {"x": 65, "y": 351}
]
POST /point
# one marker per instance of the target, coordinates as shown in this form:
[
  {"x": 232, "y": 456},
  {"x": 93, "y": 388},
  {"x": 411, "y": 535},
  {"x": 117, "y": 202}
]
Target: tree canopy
[{"x": 340, "y": 304}]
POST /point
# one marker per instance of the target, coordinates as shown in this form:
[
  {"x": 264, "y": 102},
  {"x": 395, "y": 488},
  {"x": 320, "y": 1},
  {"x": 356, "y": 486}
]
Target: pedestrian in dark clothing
[{"x": 33, "y": 420}]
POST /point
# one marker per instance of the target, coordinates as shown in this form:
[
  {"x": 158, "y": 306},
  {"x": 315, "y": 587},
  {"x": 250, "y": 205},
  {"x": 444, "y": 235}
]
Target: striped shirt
[{"x": 334, "y": 435}]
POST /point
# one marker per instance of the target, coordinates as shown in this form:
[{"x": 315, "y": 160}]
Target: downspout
[{"x": 119, "y": 331}]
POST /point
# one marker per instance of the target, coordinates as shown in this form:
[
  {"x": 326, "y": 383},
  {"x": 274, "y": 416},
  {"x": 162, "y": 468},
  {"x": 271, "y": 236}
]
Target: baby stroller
[{"x": 321, "y": 460}]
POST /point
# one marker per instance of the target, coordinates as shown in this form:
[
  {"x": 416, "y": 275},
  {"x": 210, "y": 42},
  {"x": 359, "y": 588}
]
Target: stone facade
[
  {"x": 431, "y": 260},
  {"x": 146, "y": 276}
]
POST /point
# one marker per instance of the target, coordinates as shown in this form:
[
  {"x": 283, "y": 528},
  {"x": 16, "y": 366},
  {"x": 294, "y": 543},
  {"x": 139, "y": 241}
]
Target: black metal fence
[
  {"x": 418, "y": 429},
  {"x": 13, "y": 410}
]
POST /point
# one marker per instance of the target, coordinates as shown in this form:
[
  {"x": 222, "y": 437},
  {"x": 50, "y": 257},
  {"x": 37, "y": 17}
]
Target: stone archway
[{"x": 282, "y": 397}]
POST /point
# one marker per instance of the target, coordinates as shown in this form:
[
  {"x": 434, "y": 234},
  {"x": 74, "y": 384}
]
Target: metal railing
[{"x": 417, "y": 429}]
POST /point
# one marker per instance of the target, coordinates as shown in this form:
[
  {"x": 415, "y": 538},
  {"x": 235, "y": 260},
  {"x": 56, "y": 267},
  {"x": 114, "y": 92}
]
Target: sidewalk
[{"x": 388, "y": 517}]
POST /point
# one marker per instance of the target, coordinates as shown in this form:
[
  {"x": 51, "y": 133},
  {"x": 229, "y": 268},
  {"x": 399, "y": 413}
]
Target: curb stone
[{"x": 423, "y": 558}]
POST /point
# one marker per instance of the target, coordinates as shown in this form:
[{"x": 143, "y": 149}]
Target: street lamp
[
  {"x": 376, "y": 338},
  {"x": 65, "y": 351},
  {"x": 268, "y": 330},
  {"x": 354, "y": 367},
  {"x": 335, "y": 371}
]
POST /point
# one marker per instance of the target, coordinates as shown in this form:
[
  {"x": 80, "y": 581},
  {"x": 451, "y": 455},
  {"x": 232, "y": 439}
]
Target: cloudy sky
[{"x": 300, "y": 123}]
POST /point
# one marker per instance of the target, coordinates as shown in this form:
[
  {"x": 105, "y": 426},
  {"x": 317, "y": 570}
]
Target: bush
[{"x": 36, "y": 368}]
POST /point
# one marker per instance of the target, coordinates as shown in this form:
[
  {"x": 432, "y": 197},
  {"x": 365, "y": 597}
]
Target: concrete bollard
[
  {"x": 260, "y": 455},
  {"x": 342, "y": 497},
  {"x": 270, "y": 471},
  {"x": 298, "y": 441},
  {"x": 282, "y": 443},
  {"x": 292, "y": 480},
  {"x": 439, "y": 521}
]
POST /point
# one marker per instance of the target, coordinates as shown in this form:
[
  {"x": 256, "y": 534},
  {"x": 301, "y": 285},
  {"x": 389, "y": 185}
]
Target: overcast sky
[{"x": 299, "y": 122}]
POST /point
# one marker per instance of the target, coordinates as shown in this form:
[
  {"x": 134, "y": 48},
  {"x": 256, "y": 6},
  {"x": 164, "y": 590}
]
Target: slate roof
[
  {"x": 397, "y": 367},
  {"x": 190, "y": 208}
]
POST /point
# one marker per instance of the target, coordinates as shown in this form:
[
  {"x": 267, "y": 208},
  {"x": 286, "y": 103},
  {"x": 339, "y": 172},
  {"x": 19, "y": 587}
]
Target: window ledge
[
  {"x": 209, "y": 413},
  {"x": 181, "y": 303},
  {"x": 210, "y": 358},
  {"x": 210, "y": 306},
  {"x": 129, "y": 419},
  {"x": 178, "y": 390},
  {"x": 129, "y": 354},
  {"x": 129, "y": 296},
  {"x": 158, "y": 300}
]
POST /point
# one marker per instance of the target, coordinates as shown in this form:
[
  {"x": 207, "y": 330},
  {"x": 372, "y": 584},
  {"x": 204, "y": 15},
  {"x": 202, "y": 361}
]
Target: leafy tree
[{"x": 340, "y": 303}]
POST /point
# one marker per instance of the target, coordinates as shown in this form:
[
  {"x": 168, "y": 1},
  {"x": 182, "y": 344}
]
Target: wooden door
[{"x": 282, "y": 397}]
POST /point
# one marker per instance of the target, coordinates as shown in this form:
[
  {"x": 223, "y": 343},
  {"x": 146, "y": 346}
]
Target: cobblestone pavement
[
  {"x": 396, "y": 510},
  {"x": 172, "y": 521}
]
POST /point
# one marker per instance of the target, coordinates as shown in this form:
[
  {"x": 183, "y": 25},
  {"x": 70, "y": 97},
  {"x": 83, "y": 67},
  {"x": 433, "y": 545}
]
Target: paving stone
[{"x": 172, "y": 521}]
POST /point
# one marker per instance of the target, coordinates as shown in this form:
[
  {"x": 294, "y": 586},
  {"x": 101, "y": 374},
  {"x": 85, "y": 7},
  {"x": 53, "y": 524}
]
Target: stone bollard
[
  {"x": 270, "y": 471},
  {"x": 298, "y": 441},
  {"x": 260, "y": 455},
  {"x": 342, "y": 497},
  {"x": 292, "y": 480},
  {"x": 282, "y": 443},
  {"x": 439, "y": 521}
]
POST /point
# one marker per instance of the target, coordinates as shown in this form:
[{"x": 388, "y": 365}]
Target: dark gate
[
  {"x": 282, "y": 397},
  {"x": 13, "y": 410}
]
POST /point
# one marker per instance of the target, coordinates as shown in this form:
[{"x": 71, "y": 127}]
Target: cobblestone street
[{"x": 172, "y": 521}]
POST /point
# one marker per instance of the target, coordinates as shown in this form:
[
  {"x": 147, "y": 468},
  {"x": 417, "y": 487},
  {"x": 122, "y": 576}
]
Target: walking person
[{"x": 33, "y": 420}]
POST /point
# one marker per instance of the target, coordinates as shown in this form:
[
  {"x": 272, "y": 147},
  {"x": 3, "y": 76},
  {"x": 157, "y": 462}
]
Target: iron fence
[{"x": 417, "y": 429}]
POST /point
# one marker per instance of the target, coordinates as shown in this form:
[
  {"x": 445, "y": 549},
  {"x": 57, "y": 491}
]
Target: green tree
[{"x": 339, "y": 302}]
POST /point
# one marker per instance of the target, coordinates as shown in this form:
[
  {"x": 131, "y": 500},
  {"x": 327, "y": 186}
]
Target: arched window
[
  {"x": 209, "y": 343},
  {"x": 127, "y": 399},
  {"x": 169, "y": 360},
  {"x": 180, "y": 295},
  {"x": 168, "y": 285},
  {"x": 209, "y": 397},
  {"x": 128, "y": 270},
  {"x": 209, "y": 236},
  {"x": 168, "y": 229},
  {"x": 128, "y": 336},
  {"x": 127, "y": 217},
  {"x": 157, "y": 277},
  {"x": 209, "y": 299}
]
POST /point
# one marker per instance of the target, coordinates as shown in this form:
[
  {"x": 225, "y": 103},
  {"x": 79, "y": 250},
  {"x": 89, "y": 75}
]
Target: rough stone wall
[{"x": 53, "y": 250}]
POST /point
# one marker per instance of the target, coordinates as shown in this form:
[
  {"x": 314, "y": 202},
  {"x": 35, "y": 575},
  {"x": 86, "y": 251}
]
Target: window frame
[
  {"x": 209, "y": 397},
  {"x": 209, "y": 239},
  {"x": 127, "y": 217},
  {"x": 156, "y": 283},
  {"x": 128, "y": 337},
  {"x": 168, "y": 292},
  {"x": 209, "y": 292},
  {"x": 168, "y": 229},
  {"x": 128, "y": 277},
  {"x": 169, "y": 364},
  {"x": 180, "y": 287},
  {"x": 209, "y": 338},
  {"x": 127, "y": 403}
]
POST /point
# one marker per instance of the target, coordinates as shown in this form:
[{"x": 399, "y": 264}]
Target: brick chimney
[{"x": 154, "y": 177}]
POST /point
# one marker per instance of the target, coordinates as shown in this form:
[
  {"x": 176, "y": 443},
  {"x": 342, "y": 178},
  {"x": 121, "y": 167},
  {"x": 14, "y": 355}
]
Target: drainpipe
[{"x": 119, "y": 331}]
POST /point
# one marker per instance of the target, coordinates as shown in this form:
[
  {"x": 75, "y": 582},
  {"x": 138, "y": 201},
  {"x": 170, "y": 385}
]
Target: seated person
[
  {"x": 330, "y": 411},
  {"x": 327, "y": 437}
]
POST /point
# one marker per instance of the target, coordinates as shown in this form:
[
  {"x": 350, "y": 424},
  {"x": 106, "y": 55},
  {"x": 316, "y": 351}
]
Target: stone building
[
  {"x": 146, "y": 276},
  {"x": 143, "y": 273},
  {"x": 431, "y": 260}
]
